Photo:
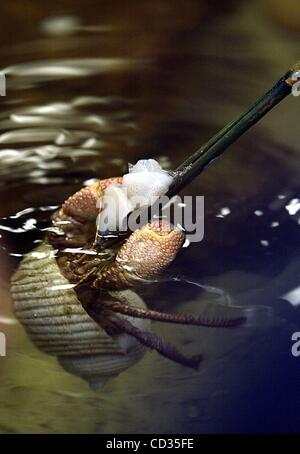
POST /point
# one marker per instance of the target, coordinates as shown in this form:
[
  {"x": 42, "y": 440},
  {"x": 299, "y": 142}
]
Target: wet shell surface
[{"x": 48, "y": 307}]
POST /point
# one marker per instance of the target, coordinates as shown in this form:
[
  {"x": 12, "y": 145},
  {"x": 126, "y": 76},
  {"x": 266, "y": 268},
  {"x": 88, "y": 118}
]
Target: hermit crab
[{"x": 76, "y": 299}]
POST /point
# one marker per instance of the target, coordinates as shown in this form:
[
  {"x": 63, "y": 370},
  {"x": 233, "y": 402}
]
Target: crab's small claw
[
  {"x": 75, "y": 223},
  {"x": 146, "y": 253}
]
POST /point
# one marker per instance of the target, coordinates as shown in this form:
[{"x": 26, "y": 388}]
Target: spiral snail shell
[{"x": 57, "y": 323}]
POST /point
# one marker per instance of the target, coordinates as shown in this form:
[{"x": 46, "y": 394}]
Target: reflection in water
[{"x": 89, "y": 91}]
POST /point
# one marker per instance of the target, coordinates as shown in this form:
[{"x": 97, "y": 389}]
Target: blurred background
[{"x": 95, "y": 85}]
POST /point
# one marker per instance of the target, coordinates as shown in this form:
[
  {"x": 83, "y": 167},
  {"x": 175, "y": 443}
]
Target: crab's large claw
[{"x": 146, "y": 253}]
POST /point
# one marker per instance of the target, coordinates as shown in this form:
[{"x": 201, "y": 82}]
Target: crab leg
[
  {"x": 150, "y": 340},
  {"x": 184, "y": 319}
]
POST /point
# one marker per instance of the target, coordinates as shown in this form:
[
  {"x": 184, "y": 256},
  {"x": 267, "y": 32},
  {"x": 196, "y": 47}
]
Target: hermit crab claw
[{"x": 146, "y": 253}]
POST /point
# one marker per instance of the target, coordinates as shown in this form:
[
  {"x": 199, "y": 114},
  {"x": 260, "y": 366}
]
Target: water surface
[{"x": 92, "y": 88}]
